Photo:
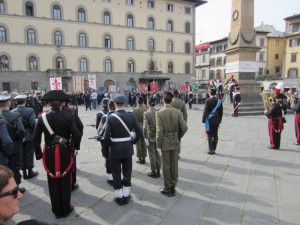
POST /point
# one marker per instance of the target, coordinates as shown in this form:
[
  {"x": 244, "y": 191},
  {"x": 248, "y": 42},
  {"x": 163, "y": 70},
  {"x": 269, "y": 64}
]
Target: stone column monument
[{"x": 241, "y": 51}]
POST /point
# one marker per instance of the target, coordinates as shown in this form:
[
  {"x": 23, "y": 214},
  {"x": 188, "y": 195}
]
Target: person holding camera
[{"x": 58, "y": 126}]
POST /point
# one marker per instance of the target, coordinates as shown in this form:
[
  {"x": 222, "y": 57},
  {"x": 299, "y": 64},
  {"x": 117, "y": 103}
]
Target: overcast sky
[{"x": 213, "y": 19}]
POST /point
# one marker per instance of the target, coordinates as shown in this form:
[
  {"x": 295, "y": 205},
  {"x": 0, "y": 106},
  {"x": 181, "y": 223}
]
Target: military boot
[
  {"x": 32, "y": 173},
  {"x": 215, "y": 144},
  {"x": 210, "y": 142},
  {"x": 25, "y": 177},
  {"x": 166, "y": 191}
]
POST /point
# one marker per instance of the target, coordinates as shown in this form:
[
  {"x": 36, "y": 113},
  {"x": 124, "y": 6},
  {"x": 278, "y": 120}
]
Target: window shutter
[
  {"x": 296, "y": 73},
  {"x": 289, "y": 71}
]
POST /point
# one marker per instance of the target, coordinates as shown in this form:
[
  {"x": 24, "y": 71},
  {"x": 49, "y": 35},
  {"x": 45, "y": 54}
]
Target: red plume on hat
[{"x": 277, "y": 91}]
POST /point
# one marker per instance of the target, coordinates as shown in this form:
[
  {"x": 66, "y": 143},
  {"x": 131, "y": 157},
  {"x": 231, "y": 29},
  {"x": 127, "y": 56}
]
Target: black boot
[
  {"x": 158, "y": 173},
  {"x": 173, "y": 191},
  {"x": 22, "y": 189},
  {"x": 32, "y": 173},
  {"x": 210, "y": 142},
  {"x": 25, "y": 174},
  {"x": 166, "y": 191},
  {"x": 215, "y": 144},
  {"x": 152, "y": 174}
]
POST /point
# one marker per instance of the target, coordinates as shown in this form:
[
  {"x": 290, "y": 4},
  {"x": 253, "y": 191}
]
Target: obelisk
[{"x": 241, "y": 51}]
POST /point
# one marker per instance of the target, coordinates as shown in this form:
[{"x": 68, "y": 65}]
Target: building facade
[
  {"x": 122, "y": 42},
  {"x": 291, "y": 65}
]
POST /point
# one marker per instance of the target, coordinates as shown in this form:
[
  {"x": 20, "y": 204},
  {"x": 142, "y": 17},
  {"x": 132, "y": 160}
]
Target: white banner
[
  {"x": 92, "y": 81},
  {"x": 55, "y": 83},
  {"x": 78, "y": 83}
]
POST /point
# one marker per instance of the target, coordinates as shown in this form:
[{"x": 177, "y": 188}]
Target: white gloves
[
  {"x": 147, "y": 141},
  {"x": 159, "y": 151}
]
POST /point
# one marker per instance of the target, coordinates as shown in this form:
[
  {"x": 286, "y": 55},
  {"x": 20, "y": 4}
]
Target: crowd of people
[{"x": 155, "y": 133}]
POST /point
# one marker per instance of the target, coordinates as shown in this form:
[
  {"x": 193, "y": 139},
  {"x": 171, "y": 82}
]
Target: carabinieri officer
[{"x": 118, "y": 135}]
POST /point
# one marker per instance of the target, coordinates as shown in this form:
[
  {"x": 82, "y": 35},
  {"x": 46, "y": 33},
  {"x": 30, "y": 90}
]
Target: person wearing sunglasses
[{"x": 9, "y": 198}]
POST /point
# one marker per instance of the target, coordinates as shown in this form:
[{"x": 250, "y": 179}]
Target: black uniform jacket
[
  {"x": 6, "y": 144},
  {"x": 297, "y": 109},
  {"x": 115, "y": 129},
  {"x": 57, "y": 159},
  {"x": 209, "y": 106},
  {"x": 28, "y": 120},
  {"x": 99, "y": 116},
  {"x": 275, "y": 114}
]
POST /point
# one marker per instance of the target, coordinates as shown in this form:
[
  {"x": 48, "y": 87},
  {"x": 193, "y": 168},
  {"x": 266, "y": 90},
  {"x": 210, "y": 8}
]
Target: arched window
[
  {"x": 81, "y": 15},
  {"x": 130, "y": 43},
  {"x": 3, "y": 34},
  {"x": 31, "y": 36},
  {"x": 4, "y": 63},
  {"x": 56, "y": 12},
  {"x": 170, "y": 25},
  {"x": 82, "y": 40},
  {"x": 83, "y": 65},
  {"x": 187, "y": 67},
  {"x": 108, "y": 66},
  {"x": 187, "y": 47},
  {"x": 33, "y": 64},
  {"x": 130, "y": 66},
  {"x": 151, "y": 45},
  {"x": 170, "y": 46},
  {"x": 2, "y": 9},
  {"x": 129, "y": 20},
  {"x": 187, "y": 28},
  {"x": 59, "y": 63},
  {"x": 57, "y": 38},
  {"x": 151, "y": 23},
  {"x": 29, "y": 9},
  {"x": 107, "y": 41},
  {"x": 151, "y": 66},
  {"x": 106, "y": 17},
  {"x": 170, "y": 67}
]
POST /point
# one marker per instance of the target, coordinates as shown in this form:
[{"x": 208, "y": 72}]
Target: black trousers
[
  {"x": 27, "y": 155},
  {"x": 15, "y": 161},
  {"x": 74, "y": 169},
  {"x": 124, "y": 166},
  {"x": 60, "y": 194}
]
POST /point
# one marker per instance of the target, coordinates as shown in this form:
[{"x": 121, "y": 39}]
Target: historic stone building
[{"x": 122, "y": 42}]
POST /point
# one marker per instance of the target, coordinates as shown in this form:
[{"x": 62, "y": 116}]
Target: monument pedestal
[{"x": 251, "y": 100}]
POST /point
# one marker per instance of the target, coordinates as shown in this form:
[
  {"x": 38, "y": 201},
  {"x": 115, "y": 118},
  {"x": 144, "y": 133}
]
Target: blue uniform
[
  {"x": 28, "y": 120},
  {"x": 16, "y": 132},
  {"x": 121, "y": 151},
  {"x": 6, "y": 144}
]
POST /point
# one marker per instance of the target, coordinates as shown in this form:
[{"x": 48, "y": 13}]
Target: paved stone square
[{"x": 244, "y": 183}]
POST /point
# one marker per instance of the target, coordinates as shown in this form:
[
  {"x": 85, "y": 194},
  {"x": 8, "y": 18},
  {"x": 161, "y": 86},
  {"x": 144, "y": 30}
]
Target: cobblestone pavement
[{"x": 244, "y": 183}]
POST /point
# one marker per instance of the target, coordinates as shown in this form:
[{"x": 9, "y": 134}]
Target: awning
[{"x": 202, "y": 46}]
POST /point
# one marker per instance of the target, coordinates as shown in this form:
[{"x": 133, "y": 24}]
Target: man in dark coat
[
  {"x": 28, "y": 119},
  {"x": 58, "y": 126},
  {"x": 212, "y": 119},
  {"x": 16, "y": 132},
  {"x": 118, "y": 136},
  {"x": 6, "y": 144},
  {"x": 103, "y": 112}
]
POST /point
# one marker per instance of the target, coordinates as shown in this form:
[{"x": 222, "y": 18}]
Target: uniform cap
[
  {"x": 20, "y": 97},
  {"x": 280, "y": 96},
  {"x": 140, "y": 98},
  {"x": 120, "y": 98},
  {"x": 55, "y": 95},
  {"x": 111, "y": 101},
  {"x": 5, "y": 96},
  {"x": 105, "y": 100}
]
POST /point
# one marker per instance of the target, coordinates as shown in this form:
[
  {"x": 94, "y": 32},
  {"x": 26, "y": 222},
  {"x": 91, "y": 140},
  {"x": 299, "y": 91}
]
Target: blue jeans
[{"x": 94, "y": 103}]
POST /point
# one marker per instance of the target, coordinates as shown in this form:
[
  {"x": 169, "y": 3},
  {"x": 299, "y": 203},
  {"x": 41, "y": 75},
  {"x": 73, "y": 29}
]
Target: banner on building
[
  {"x": 102, "y": 89},
  {"x": 153, "y": 86},
  {"x": 143, "y": 87},
  {"x": 92, "y": 81},
  {"x": 182, "y": 88},
  {"x": 112, "y": 88},
  {"x": 55, "y": 83},
  {"x": 78, "y": 83}
]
